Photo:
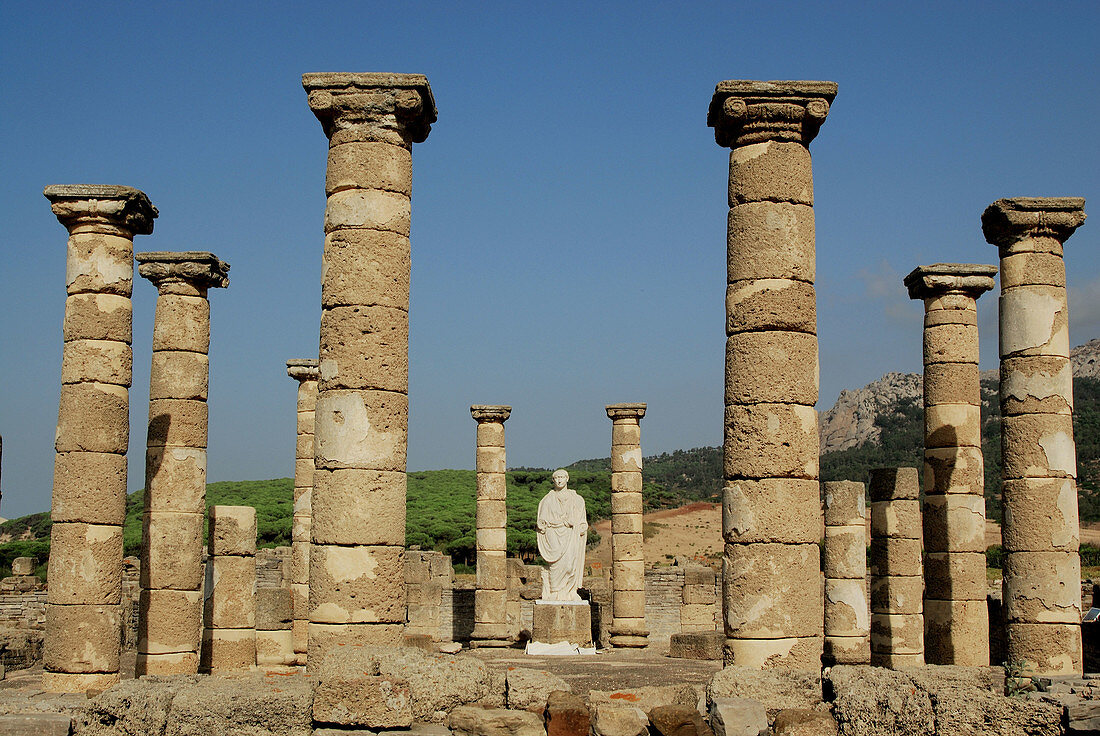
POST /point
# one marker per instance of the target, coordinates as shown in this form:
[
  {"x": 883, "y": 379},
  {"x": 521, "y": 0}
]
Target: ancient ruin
[
  {"x": 491, "y": 597},
  {"x": 844, "y": 558},
  {"x": 897, "y": 579},
  {"x": 772, "y": 519},
  {"x": 956, "y": 618},
  {"x": 628, "y": 560},
  {"x": 229, "y": 633},
  {"x": 305, "y": 372}
]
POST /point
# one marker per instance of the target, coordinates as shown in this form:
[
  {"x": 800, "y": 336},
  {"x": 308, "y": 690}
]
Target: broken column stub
[
  {"x": 356, "y": 575},
  {"x": 847, "y": 611},
  {"x": 229, "y": 617},
  {"x": 170, "y": 604},
  {"x": 897, "y": 581},
  {"x": 83, "y": 619},
  {"x": 491, "y": 626},
  {"x": 1040, "y": 527},
  {"x": 956, "y": 618},
  {"x": 771, "y": 443},
  {"x": 628, "y": 627},
  {"x": 305, "y": 372}
]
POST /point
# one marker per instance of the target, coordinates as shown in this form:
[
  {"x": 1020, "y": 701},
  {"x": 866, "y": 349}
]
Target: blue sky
[{"x": 568, "y": 208}]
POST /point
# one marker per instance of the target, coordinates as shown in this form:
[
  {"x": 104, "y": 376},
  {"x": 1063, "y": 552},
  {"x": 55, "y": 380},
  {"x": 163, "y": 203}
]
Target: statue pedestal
[{"x": 555, "y": 621}]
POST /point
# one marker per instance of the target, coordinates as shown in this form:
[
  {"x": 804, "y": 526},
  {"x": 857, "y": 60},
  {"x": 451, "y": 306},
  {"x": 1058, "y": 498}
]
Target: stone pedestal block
[{"x": 557, "y": 622}]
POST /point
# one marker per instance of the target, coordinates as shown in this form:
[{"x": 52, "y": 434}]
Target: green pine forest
[{"x": 440, "y": 508}]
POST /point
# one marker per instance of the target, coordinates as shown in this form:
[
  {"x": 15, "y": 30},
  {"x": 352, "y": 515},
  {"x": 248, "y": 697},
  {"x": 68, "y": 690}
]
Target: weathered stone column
[
  {"x": 170, "y": 605},
  {"x": 1041, "y": 534},
  {"x": 305, "y": 372},
  {"x": 956, "y": 617},
  {"x": 628, "y": 627},
  {"x": 897, "y": 580},
  {"x": 491, "y": 596},
  {"x": 229, "y": 633},
  {"x": 356, "y": 569},
  {"x": 772, "y": 519},
  {"x": 847, "y": 613},
  {"x": 83, "y": 621}
]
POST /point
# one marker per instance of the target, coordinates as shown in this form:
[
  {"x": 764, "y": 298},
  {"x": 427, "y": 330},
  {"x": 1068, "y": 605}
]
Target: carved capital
[
  {"x": 743, "y": 112},
  {"x": 102, "y": 208},
  {"x": 1008, "y": 221},
  {"x": 490, "y": 412},
  {"x": 970, "y": 279},
  {"x": 625, "y": 411},
  {"x": 395, "y": 108},
  {"x": 197, "y": 270},
  {"x": 303, "y": 369}
]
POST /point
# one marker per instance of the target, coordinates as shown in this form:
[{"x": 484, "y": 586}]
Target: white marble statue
[{"x": 562, "y": 533}]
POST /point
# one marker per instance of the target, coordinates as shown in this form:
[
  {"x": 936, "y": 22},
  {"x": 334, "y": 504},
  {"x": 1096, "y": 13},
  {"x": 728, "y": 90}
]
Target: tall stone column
[
  {"x": 897, "y": 579},
  {"x": 491, "y": 596},
  {"x": 83, "y": 619},
  {"x": 229, "y": 628},
  {"x": 305, "y": 372},
  {"x": 1040, "y": 531},
  {"x": 628, "y": 627},
  {"x": 772, "y": 515},
  {"x": 170, "y": 604},
  {"x": 356, "y": 565},
  {"x": 847, "y": 612},
  {"x": 956, "y": 617}
]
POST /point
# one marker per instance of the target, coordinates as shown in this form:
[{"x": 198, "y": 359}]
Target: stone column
[
  {"x": 229, "y": 633},
  {"x": 170, "y": 604},
  {"x": 1042, "y": 569},
  {"x": 628, "y": 627},
  {"x": 847, "y": 613},
  {"x": 897, "y": 580},
  {"x": 772, "y": 509},
  {"x": 305, "y": 372},
  {"x": 356, "y": 568},
  {"x": 83, "y": 620},
  {"x": 491, "y": 596},
  {"x": 956, "y": 617}
]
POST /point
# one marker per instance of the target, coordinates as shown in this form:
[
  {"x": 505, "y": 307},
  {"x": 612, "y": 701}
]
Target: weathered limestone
[
  {"x": 175, "y": 461},
  {"x": 305, "y": 372},
  {"x": 356, "y": 573},
  {"x": 628, "y": 627},
  {"x": 491, "y": 626},
  {"x": 897, "y": 580},
  {"x": 83, "y": 621},
  {"x": 956, "y": 618},
  {"x": 1041, "y": 533},
  {"x": 229, "y": 618},
  {"x": 847, "y": 612},
  {"x": 772, "y": 617}
]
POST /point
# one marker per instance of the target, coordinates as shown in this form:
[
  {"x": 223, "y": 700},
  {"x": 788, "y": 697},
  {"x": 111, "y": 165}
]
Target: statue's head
[{"x": 560, "y": 478}]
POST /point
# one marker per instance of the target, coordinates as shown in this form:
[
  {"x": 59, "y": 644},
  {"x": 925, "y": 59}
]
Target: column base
[
  {"x": 801, "y": 654},
  {"x": 174, "y": 663},
  {"x": 74, "y": 682},
  {"x": 846, "y": 650},
  {"x": 629, "y": 641},
  {"x": 896, "y": 661}
]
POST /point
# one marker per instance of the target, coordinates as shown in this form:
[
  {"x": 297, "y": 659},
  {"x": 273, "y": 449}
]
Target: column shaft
[
  {"x": 229, "y": 618},
  {"x": 772, "y": 519},
  {"x": 356, "y": 570},
  {"x": 1040, "y": 531},
  {"x": 491, "y": 626},
  {"x": 897, "y": 577},
  {"x": 847, "y": 611},
  {"x": 83, "y": 606},
  {"x": 306, "y": 373},
  {"x": 628, "y": 627},
  {"x": 170, "y": 604}
]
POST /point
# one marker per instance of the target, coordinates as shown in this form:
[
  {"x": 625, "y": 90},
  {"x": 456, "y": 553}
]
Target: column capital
[
  {"x": 371, "y": 106},
  {"x": 744, "y": 111},
  {"x": 490, "y": 412},
  {"x": 102, "y": 208},
  {"x": 971, "y": 279},
  {"x": 625, "y": 411},
  {"x": 303, "y": 369},
  {"x": 1008, "y": 221},
  {"x": 193, "y": 270}
]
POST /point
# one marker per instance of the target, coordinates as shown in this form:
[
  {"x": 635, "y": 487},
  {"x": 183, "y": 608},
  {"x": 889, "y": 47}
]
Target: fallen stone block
[
  {"x": 678, "y": 720},
  {"x": 1083, "y": 717},
  {"x": 776, "y": 690},
  {"x": 131, "y": 707},
  {"x": 566, "y": 715},
  {"x": 215, "y": 706},
  {"x": 697, "y": 645},
  {"x": 527, "y": 689},
  {"x": 646, "y": 698},
  {"x": 738, "y": 717},
  {"x": 36, "y": 724},
  {"x": 611, "y": 719},
  {"x": 372, "y": 701},
  {"x": 799, "y": 722},
  {"x": 469, "y": 720}
]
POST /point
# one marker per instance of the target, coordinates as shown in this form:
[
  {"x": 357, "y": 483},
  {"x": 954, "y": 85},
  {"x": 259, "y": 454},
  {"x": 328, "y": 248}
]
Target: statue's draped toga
[{"x": 562, "y": 533}]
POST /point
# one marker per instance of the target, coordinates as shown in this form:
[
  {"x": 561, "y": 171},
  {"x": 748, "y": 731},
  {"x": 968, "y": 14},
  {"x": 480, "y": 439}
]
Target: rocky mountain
[{"x": 851, "y": 420}]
